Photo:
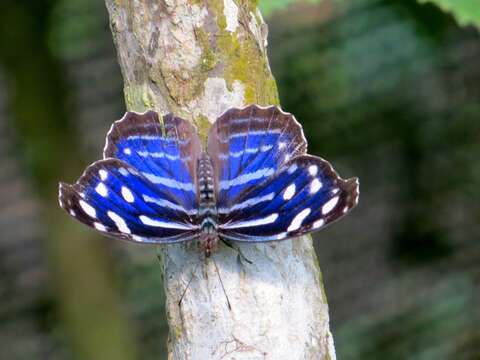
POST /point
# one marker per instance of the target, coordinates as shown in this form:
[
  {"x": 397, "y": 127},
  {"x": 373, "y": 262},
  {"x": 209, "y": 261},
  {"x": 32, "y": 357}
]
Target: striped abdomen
[{"x": 207, "y": 209}]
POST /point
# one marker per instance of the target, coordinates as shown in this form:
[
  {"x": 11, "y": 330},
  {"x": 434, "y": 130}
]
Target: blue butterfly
[{"x": 253, "y": 183}]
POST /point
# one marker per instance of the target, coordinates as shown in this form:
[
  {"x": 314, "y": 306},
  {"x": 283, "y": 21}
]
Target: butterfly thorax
[{"x": 207, "y": 205}]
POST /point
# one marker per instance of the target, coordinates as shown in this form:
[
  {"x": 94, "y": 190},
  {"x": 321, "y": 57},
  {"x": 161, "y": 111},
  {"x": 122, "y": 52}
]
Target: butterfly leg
[
  {"x": 237, "y": 249},
  {"x": 188, "y": 285},
  {"x": 221, "y": 283},
  {"x": 159, "y": 258}
]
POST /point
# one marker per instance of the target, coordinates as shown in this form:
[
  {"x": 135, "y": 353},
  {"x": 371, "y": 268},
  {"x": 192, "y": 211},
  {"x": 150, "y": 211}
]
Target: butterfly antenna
[
  {"x": 188, "y": 285},
  {"x": 189, "y": 281},
  {"x": 221, "y": 283}
]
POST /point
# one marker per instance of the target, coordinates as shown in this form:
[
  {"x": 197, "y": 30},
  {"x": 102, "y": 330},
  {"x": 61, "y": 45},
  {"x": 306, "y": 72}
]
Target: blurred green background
[{"x": 387, "y": 90}]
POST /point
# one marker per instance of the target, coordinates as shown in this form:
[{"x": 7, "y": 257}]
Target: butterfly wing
[
  {"x": 115, "y": 199},
  {"x": 304, "y": 195},
  {"x": 165, "y": 156},
  {"x": 144, "y": 190},
  {"x": 249, "y": 145}
]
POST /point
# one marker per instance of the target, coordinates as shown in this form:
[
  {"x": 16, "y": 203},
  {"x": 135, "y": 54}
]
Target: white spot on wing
[
  {"x": 119, "y": 222},
  {"x": 298, "y": 219},
  {"x": 101, "y": 189},
  {"x": 289, "y": 192},
  {"x": 169, "y": 225},
  {"x": 72, "y": 212},
  {"x": 103, "y": 174},
  {"x": 89, "y": 210},
  {"x": 315, "y": 185},
  {"x": 313, "y": 170},
  {"x": 127, "y": 151},
  {"x": 99, "y": 226},
  {"x": 123, "y": 171},
  {"x": 319, "y": 223},
  {"x": 127, "y": 194},
  {"x": 292, "y": 168},
  {"x": 257, "y": 222},
  {"x": 329, "y": 205}
]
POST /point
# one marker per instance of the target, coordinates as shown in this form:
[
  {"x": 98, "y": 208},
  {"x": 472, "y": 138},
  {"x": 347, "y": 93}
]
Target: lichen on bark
[
  {"x": 196, "y": 59},
  {"x": 244, "y": 56}
]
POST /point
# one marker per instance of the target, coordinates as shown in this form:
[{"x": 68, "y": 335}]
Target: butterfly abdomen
[{"x": 207, "y": 209}]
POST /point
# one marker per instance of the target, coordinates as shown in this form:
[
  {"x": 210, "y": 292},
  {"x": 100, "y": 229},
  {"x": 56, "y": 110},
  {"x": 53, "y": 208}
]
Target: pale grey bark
[{"x": 196, "y": 59}]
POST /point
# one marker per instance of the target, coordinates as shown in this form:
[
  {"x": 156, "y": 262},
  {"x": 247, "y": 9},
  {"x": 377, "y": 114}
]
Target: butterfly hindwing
[
  {"x": 167, "y": 156},
  {"x": 304, "y": 195},
  {"x": 248, "y": 145},
  {"x": 117, "y": 200}
]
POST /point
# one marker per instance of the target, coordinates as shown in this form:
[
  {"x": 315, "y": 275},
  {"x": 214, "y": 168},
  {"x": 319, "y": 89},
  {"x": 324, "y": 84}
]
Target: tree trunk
[{"x": 197, "y": 59}]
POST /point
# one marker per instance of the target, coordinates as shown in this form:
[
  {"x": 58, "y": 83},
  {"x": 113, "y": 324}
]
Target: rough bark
[{"x": 196, "y": 59}]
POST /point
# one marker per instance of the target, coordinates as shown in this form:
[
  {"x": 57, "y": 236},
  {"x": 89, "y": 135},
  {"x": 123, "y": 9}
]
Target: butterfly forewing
[
  {"x": 304, "y": 195},
  {"x": 248, "y": 145},
  {"x": 165, "y": 156}
]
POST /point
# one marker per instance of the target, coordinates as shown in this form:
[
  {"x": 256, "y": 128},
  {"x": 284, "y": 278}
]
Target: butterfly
[{"x": 254, "y": 181}]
